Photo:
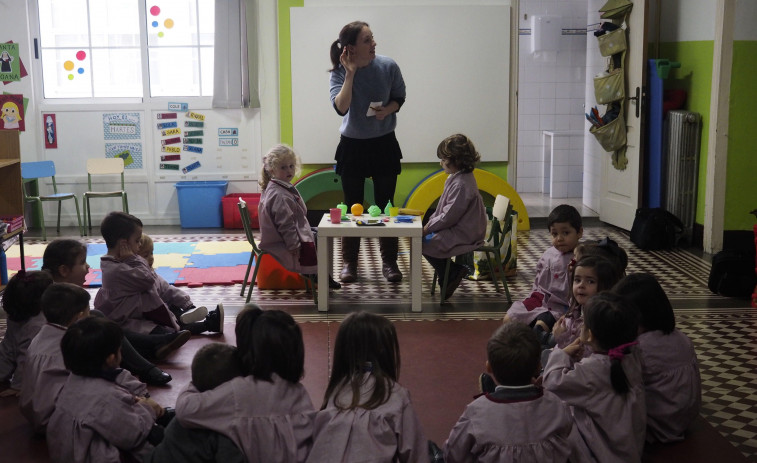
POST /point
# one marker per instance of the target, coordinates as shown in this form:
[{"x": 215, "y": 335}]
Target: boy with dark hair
[
  {"x": 213, "y": 365},
  {"x": 130, "y": 289},
  {"x": 95, "y": 418},
  {"x": 485, "y": 432}
]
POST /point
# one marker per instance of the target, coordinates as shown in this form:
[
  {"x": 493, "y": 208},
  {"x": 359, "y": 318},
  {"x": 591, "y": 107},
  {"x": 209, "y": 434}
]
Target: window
[{"x": 101, "y": 48}]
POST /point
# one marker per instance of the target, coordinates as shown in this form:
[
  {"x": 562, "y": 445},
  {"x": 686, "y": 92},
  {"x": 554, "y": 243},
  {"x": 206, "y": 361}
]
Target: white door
[{"x": 621, "y": 189}]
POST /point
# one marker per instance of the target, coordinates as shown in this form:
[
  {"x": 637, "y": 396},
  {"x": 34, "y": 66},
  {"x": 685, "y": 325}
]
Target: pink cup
[{"x": 336, "y": 215}]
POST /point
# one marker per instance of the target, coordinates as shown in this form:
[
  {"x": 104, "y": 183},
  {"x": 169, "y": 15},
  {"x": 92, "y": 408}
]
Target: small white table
[{"x": 328, "y": 231}]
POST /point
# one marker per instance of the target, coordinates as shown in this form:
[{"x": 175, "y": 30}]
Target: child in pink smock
[
  {"x": 96, "y": 418},
  {"x": 285, "y": 232},
  {"x": 518, "y": 421},
  {"x": 669, "y": 363},
  {"x": 549, "y": 299},
  {"x": 45, "y": 374},
  {"x": 267, "y": 413},
  {"x": 366, "y": 414},
  {"x": 21, "y": 302},
  {"x": 458, "y": 225},
  {"x": 604, "y": 390}
]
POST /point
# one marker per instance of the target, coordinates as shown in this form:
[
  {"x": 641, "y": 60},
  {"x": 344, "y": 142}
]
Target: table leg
[
  {"x": 416, "y": 265},
  {"x": 325, "y": 256}
]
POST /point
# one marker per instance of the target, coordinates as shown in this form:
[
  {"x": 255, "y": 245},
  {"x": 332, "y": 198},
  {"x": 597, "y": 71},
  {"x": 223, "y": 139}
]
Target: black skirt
[{"x": 368, "y": 157}]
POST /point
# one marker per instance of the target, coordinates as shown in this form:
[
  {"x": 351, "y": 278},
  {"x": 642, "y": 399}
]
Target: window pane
[
  {"x": 174, "y": 72},
  {"x": 63, "y": 24},
  {"x": 65, "y": 76},
  {"x": 114, "y": 23},
  {"x": 173, "y": 22},
  {"x": 207, "y": 17},
  {"x": 206, "y": 53},
  {"x": 117, "y": 72}
]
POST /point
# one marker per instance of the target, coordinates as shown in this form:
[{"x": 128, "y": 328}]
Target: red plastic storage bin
[{"x": 231, "y": 218}]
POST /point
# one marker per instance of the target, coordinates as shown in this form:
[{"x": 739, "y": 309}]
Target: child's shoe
[
  {"x": 155, "y": 377},
  {"x": 193, "y": 314},
  {"x": 214, "y": 320},
  {"x": 177, "y": 340}
]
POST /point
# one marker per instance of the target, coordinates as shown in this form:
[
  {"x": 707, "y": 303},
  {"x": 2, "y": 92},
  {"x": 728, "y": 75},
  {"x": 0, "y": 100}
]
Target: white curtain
[{"x": 235, "y": 70}]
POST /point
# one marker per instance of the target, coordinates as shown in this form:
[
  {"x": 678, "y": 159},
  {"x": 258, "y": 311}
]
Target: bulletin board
[{"x": 455, "y": 61}]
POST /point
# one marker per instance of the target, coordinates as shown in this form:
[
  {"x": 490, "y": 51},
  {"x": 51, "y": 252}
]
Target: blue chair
[{"x": 31, "y": 172}]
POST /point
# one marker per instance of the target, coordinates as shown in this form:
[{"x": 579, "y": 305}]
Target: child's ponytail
[{"x": 617, "y": 374}]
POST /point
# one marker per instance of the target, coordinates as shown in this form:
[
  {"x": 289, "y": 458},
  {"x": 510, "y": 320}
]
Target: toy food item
[
  {"x": 357, "y": 209},
  {"x": 388, "y": 208},
  {"x": 374, "y": 211},
  {"x": 343, "y": 207}
]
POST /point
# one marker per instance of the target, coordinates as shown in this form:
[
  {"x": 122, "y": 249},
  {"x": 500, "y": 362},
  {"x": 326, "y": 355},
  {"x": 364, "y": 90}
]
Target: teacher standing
[{"x": 367, "y": 90}]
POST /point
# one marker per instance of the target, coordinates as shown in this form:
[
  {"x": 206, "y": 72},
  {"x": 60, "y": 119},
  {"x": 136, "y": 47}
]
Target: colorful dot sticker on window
[
  {"x": 167, "y": 23},
  {"x": 69, "y": 65}
]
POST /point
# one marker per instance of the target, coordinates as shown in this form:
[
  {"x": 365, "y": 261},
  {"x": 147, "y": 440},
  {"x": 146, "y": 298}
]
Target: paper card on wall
[
  {"x": 228, "y": 142},
  {"x": 228, "y": 132},
  {"x": 182, "y": 107},
  {"x": 196, "y": 116},
  {"x": 193, "y": 133},
  {"x": 193, "y": 149},
  {"x": 12, "y": 112},
  {"x": 191, "y": 167},
  {"x": 175, "y": 131},
  {"x": 170, "y": 141},
  {"x": 171, "y": 149},
  {"x": 193, "y": 124},
  {"x": 50, "y": 131},
  {"x": 10, "y": 63},
  {"x": 166, "y": 115},
  {"x": 118, "y": 126},
  {"x": 131, "y": 153},
  {"x": 170, "y": 157},
  {"x": 167, "y": 125},
  {"x": 192, "y": 141},
  {"x": 169, "y": 166}
]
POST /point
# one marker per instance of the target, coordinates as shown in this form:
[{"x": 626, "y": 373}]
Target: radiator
[{"x": 681, "y": 154}]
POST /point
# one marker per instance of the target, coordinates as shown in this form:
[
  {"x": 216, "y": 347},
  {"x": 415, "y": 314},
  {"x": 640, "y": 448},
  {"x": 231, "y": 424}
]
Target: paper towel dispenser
[{"x": 545, "y": 33}]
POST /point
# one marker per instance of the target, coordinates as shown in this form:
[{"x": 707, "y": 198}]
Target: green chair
[
  {"x": 31, "y": 172},
  {"x": 104, "y": 166},
  {"x": 257, "y": 254},
  {"x": 501, "y": 212}
]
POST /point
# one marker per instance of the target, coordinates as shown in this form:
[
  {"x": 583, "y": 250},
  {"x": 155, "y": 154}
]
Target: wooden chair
[
  {"x": 31, "y": 172},
  {"x": 104, "y": 166},
  {"x": 257, "y": 254},
  {"x": 501, "y": 212}
]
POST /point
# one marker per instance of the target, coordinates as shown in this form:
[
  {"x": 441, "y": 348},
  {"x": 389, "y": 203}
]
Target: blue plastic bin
[{"x": 200, "y": 203}]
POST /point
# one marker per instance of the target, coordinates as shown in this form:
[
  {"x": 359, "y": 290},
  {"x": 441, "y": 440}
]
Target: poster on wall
[
  {"x": 10, "y": 64},
  {"x": 50, "y": 131},
  {"x": 120, "y": 126},
  {"x": 12, "y": 112},
  {"x": 131, "y": 153}
]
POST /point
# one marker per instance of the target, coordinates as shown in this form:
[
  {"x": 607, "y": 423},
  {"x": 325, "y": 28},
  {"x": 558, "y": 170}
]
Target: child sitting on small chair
[
  {"x": 130, "y": 293},
  {"x": 458, "y": 225},
  {"x": 213, "y": 365},
  {"x": 285, "y": 232},
  {"x": 95, "y": 418},
  {"x": 550, "y": 295}
]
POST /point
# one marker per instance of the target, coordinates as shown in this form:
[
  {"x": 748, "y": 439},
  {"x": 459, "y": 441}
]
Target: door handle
[{"x": 637, "y": 101}]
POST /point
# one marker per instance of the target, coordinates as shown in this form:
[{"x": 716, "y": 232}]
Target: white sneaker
[{"x": 193, "y": 314}]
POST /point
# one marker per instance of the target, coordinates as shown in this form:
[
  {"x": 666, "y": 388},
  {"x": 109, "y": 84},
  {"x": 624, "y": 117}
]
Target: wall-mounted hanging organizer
[{"x": 609, "y": 86}]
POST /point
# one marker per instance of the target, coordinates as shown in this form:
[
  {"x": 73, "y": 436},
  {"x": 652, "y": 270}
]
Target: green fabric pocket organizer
[
  {"x": 610, "y": 88},
  {"x": 612, "y": 42},
  {"x": 612, "y": 136}
]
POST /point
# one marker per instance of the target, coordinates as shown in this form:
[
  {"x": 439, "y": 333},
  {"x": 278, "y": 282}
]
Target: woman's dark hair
[
  {"x": 88, "y": 343},
  {"x": 513, "y": 353},
  {"x": 62, "y": 302},
  {"x": 612, "y": 323},
  {"x": 365, "y": 343},
  {"x": 459, "y": 151},
  {"x": 23, "y": 293},
  {"x": 644, "y": 294},
  {"x": 118, "y": 225},
  {"x": 270, "y": 341},
  {"x": 347, "y": 36},
  {"x": 214, "y": 364},
  {"x": 62, "y": 252}
]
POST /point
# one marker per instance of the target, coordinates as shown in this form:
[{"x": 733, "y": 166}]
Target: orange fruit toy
[{"x": 357, "y": 209}]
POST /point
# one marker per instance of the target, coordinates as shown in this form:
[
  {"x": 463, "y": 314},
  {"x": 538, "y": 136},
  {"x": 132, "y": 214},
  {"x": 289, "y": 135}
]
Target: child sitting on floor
[
  {"x": 63, "y": 304},
  {"x": 458, "y": 225},
  {"x": 267, "y": 413},
  {"x": 285, "y": 232},
  {"x": 21, "y": 302},
  {"x": 489, "y": 430},
  {"x": 95, "y": 418},
  {"x": 365, "y": 411},
  {"x": 604, "y": 390},
  {"x": 549, "y": 299},
  {"x": 670, "y": 369},
  {"x": 130, "y": 288},
  {"x": 213, "y": 365}
]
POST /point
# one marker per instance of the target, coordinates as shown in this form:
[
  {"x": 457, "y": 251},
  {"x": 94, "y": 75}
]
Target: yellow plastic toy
[{"x": 357, "y": 209}]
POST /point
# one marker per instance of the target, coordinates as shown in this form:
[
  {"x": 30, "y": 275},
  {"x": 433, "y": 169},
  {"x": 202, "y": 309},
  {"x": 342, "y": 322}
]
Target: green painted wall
[
  {"x": 741, "y": 182},
  {"x": 412, "y": 173}
]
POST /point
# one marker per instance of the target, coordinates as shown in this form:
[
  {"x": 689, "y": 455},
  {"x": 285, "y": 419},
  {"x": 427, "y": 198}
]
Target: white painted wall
[{"x": 687, "y": 20}]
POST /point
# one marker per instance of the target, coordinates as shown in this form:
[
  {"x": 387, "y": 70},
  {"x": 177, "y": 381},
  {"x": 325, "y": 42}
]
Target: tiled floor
[{"x": 722, "y": 329}]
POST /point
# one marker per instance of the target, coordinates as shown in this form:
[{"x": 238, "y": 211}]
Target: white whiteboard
[{"x": 455, "y": 61}]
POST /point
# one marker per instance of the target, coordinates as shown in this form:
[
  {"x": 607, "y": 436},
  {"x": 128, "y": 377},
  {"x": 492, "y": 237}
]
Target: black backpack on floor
[
  {"x": 655, "y": 229},
  {"x": 733, "y": 274}
]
